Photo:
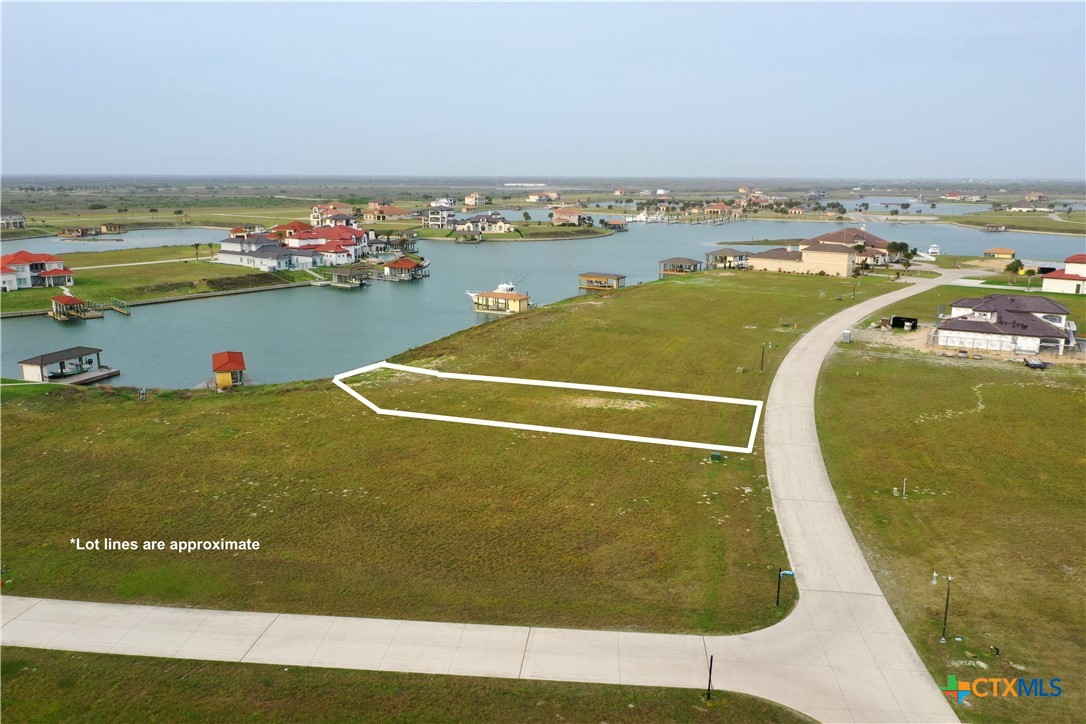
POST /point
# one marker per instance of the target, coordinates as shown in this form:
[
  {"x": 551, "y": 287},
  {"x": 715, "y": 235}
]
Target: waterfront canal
[{"x": 312, "y": 332}]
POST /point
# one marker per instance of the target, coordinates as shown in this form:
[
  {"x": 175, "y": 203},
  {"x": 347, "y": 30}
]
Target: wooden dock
[{"x": 87, "y": 378}]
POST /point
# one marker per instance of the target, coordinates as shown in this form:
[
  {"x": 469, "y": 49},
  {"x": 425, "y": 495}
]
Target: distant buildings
[
  {"x": 334, "y": 214},
  {"x": 12, "y": 219},
  {"x": 544, "y": 197},
  {"x": 439, "y": 217},
  {"x": 475, "y": 199}
]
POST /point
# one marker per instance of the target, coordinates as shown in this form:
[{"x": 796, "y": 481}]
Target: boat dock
[{"x": 75, "y": 366}]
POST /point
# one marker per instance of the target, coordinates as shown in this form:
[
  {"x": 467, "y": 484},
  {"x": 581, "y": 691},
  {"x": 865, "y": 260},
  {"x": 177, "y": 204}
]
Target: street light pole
[
  {"x": 778, "y": 603},
  {"x": 761, "y": 365}
]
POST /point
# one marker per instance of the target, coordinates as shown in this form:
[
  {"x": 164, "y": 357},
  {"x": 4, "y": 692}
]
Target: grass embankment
[
  {"x": 154, "y": 281},
  {"x": 365, "y": 515},
  {"x": 994, "y": 458},
  {"x": 147, "y": 280},
  {"x": 1075, "y": 223},
  {"x": 69, "y": 686}
]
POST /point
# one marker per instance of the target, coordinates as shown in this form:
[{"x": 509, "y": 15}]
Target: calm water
[{"x": 315, "y": 332}]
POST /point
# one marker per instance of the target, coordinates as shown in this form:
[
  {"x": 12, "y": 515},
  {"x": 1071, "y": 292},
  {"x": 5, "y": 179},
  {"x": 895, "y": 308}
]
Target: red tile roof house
[
  {"x": 24, "y": 270},
  {"x": 1006, "y": 323},
  {"x": 567, "y": 217},
  {"x": 290, "y": 229},
  {"x": 1069, "y": 280},
  {"x": 331, "y": 215}
]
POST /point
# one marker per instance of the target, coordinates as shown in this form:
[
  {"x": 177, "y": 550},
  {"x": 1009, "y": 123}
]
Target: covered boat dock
[{"x": 76, "y": 366}]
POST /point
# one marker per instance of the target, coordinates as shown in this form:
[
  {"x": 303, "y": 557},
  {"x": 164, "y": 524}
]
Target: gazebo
[
  {"x": 600, "y": 281},
  {"x": 679, "y": 265}
]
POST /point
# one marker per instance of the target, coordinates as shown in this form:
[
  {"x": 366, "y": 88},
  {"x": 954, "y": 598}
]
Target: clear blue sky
[{"x": 812, "y": 90}]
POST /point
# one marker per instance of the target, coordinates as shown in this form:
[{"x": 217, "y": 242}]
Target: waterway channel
[{"x": 311, "y": 332}]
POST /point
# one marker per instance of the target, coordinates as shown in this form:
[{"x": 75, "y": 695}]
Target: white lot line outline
[{"x": 756, "y": 404}]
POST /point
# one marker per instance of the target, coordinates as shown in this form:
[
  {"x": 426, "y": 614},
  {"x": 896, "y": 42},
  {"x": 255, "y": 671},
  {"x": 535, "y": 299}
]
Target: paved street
[{"x": 840, "y": 656}]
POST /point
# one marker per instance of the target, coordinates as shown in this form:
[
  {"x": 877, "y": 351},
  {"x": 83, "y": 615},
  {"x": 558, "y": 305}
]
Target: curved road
[{"x": 841, "y": 655}]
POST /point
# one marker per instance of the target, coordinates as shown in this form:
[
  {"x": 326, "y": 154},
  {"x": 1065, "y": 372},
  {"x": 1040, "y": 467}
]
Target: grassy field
[
  {"x": 1022, "y": 221},
  {"x": 133, "y": 283},
  {"x": 993, "y": 455},
  {"x": 69, "y": 686},
  {"x": 365, "y": 515},
  {"x": 79, "y": 259}
]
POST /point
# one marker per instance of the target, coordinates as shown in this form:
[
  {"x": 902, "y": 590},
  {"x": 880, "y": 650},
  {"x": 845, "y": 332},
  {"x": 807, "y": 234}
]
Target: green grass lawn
[
  {"x": 78, "y": 259},
  {"x": 994, "y": 457},
  {"x": 42, "y": 685},
  {"x": 359, "y": 514},
  {"x": 1021, "y": 220},
  {"x": 133, "y": 283}
]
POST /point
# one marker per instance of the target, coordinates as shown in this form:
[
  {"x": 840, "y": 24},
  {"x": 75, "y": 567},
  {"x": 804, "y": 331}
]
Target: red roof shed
[{"x": 228, "y": 362}]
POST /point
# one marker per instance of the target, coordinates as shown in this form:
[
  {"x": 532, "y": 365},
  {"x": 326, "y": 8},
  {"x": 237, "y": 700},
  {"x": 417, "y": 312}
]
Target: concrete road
[{"x": 841, "y": 656}]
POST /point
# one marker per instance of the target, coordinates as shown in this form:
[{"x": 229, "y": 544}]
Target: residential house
[
  {"x": 1069, "y": 280},
  {"x": 852, "y": 237},
  {"x": 111, "y": 229},
  {"x": 999, "y": 253},
  {"x": 544, "y": 197},
  {"x": 440, "y": 217},
  {"x": 567, "y": 217},
  {"x": 820, "y": 258},
  {"x": 621, "y": 192},
  {"x": 475, "y": 199},
  {"x": 384, "y": 212},
  {"x": 1006, "y": 323},
  {"x": 443, "y": 201},
  {"x": 25, "y": 270},
  {"x": 719, "y": 208},
  {"x": 1037, "y": 197},
  {"x": 1023, "y": 205},
  {"x": 331, "y": 215},
  {"x": 11, "y": 219},
  {"x": 485, "y": 223},
  {"x": 263, "y": 253},
  {"x": 726, "y": 259},
  {"x": 795, "y": 211},
  {"x": 290, "y": 229}
]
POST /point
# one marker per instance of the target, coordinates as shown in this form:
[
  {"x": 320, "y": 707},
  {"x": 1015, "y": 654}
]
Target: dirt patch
[
  {"x": 607, "y": 404},
  {"x": 918, "y": 341}
]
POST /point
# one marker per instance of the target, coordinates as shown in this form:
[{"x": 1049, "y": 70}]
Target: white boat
[
  {"x": 504, "y": 287},
  {"x": 933, "y": 250},
  {"x": 503, "y": 300}
]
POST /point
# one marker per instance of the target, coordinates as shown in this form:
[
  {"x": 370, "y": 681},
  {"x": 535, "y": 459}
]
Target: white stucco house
[
  {"x": 1006, "y": 323},
  {"x": 1069, "y": 280},
  {"x": 25, "y": 269},
  {"x": 485, "y": 223}
]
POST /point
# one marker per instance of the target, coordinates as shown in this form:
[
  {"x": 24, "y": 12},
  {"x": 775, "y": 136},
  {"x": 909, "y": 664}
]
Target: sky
[{"x": 815, "y": 90}]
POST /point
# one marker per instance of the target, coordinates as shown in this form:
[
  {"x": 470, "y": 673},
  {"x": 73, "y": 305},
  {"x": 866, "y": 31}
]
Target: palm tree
[
  {"x": 197, "y": 248},
  {"x": 210, "y": 248}
]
